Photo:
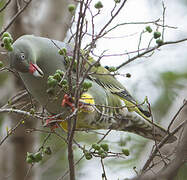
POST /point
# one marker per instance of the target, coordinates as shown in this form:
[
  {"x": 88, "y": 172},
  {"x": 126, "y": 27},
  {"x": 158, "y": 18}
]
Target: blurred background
[{"x": 161, "y": 77}]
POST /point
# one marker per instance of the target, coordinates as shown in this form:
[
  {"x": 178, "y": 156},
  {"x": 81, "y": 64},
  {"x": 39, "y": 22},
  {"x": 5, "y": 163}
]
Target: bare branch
[
  {"x": 6, "y": 4},
  {"x": 15, "y": 16}
]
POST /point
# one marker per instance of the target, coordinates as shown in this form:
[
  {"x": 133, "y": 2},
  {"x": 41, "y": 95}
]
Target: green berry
[
  {"x": 98, "y": 5},
  {"x": 71, "y": 8},
  {"x": 7, "y": 40},
  {"x": 7, "y": 34},
  {"x": 105, "y": 147},
  {"x": 87, "y": 85},
  {"x": 125, "y": 152},
  {"x": 96, "y": 147},
  {"x": 57, "y": 76},
  {"x": 117, "y": 1},
  {"x": 128, "y": 75},
  {"x": 47, "y": 150},
  {"x": 63, "y": 52},
  {"x": 38, "y": 157},
  {"x": 148, "y": 29},
  {"x": 7, "y": 43},
  {"x": 51, "y": 81},
  {"x": 8, "y": 47},
  {"x": 159, "y": 42},
  {"x": 101, "y": 151},
  {"x": 88, "y": 156},
  {"x": 63, "y": 82},
  {"x": 156, "y": 35},
  {"x": 1, "y": 64},
  {"x": 60, "y": 72}
]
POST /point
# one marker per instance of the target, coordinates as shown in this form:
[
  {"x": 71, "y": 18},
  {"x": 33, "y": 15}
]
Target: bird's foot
[
  {"x": 51, "y": 122},
  {"x": 85, "y": 103},
  {"x": 68, "y": 101}
]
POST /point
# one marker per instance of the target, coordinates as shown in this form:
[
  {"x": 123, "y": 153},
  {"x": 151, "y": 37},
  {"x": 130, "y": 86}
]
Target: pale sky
[{"x": 169, "y": 58}]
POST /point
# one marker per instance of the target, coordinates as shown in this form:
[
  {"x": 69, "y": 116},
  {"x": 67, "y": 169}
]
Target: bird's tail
[{"x": 132, "y": 123}]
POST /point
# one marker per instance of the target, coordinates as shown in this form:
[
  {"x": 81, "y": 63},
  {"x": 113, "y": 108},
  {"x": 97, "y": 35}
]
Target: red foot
[
  {"x": 51, "y": 124},
  {"x": 68, "y": 101}
]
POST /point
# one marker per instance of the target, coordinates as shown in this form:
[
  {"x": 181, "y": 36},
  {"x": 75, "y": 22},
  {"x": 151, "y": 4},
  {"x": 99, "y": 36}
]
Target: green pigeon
[{"x": 101, "y": 107}]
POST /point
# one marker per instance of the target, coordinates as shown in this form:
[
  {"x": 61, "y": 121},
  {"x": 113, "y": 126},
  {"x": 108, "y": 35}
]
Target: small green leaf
[
  {"x": 38, "y": 157},
  {"x": 30, "y": 155},
  {"x": 29, "y": 160},
  {"x": 125, "y": 152}
]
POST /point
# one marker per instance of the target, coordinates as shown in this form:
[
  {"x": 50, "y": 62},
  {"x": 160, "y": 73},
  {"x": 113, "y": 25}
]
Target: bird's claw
[
  {"x": 50, "y": 123},
  {"x": 67, "y": 100}
]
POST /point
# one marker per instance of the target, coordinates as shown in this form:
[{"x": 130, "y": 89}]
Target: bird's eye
[{"x": 22, "y": 56}]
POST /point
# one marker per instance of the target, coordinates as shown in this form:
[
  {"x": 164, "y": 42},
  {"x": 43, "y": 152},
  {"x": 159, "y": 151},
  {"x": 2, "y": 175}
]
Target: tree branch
[{"x": 170, "y": 171}]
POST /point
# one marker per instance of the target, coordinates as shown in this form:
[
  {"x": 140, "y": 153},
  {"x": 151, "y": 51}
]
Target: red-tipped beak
[{"x": 35, "y": 70}]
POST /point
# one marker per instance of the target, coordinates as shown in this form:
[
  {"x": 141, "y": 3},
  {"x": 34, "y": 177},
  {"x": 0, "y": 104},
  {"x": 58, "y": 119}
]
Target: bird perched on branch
[{"x": 104, "y": 102}]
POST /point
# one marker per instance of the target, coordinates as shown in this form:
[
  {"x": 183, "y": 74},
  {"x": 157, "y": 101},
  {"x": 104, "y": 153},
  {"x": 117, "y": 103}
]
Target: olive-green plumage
[{"x": 36, "y": 58}]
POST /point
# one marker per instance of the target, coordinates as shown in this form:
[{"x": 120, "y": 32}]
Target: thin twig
[
  {"x": 150, "y": 50},
  {"x": 162, "y": 143},
  {"x": 104, "y": 172},
  {"x": 11, "y": 131},
  {"x": 4, "y": 7},
  {"x": 14, "y": 17},
  {"x": 172, "y": 121}
]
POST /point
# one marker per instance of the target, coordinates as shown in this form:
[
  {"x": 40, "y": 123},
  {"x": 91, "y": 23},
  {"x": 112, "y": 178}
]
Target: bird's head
[{"x": 23, "y": 58}]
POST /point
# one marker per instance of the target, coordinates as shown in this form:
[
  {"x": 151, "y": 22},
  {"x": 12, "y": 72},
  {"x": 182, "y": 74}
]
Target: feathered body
[{"x": 107, "y": 94}]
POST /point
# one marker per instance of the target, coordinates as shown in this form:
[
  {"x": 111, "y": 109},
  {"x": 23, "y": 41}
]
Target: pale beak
[{"x": 35, "y": 70}]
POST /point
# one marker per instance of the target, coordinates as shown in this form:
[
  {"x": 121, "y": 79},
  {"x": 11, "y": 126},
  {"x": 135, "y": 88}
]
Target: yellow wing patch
[
  {"x": 64, "y": 125},
  {"x": 87, "y": 98}
]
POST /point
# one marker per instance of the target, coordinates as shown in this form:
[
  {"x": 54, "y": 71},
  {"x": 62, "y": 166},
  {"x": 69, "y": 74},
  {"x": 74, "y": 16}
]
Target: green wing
[{"x": 103, "y": 77}]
